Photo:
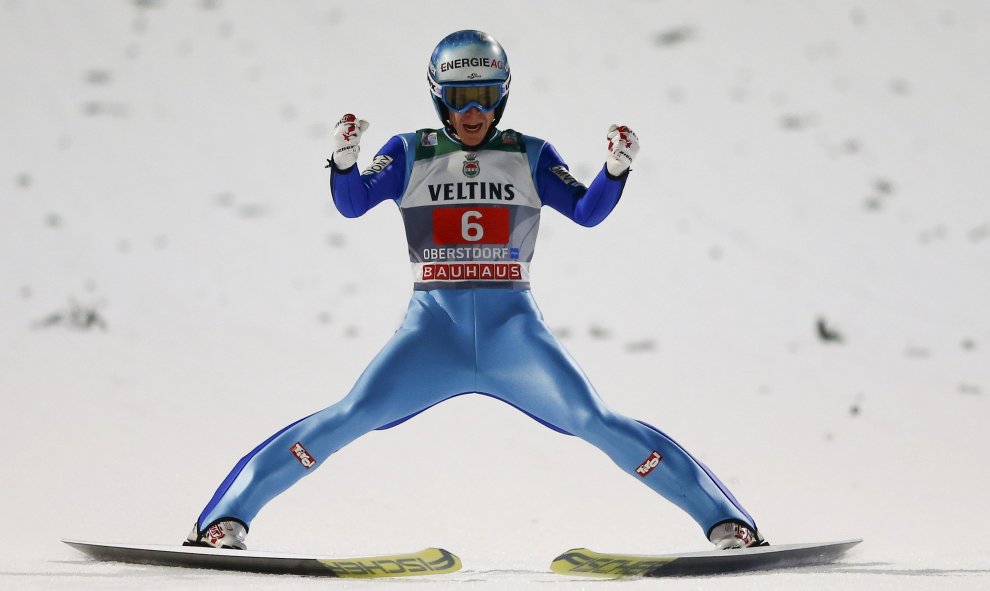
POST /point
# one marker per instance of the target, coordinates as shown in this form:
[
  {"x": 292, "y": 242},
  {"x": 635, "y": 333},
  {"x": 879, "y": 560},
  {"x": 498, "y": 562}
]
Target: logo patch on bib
[{"x": 471, "y": 168}]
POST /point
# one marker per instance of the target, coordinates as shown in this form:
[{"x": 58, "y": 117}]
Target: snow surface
[{"x": 175, "y": 284}]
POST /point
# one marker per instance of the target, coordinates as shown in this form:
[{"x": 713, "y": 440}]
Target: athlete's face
[{"x": 472, "y": 125}]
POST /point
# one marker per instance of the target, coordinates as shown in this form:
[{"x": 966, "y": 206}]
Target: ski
[
  {"x": 431, "y": 561},
  {"x": 584, "y": 562}
]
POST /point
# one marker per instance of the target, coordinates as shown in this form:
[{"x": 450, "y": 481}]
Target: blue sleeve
[
  {"x": 588, "y": 206},
  {"x": 355, "y": 193}
]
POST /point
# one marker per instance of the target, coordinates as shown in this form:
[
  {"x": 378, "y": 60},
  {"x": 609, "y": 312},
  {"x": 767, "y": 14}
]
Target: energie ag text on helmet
[{"x": 472, "y": 62}]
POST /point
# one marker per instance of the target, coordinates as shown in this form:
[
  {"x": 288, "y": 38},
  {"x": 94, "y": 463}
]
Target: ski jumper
[{"x": 471, "y": 219}]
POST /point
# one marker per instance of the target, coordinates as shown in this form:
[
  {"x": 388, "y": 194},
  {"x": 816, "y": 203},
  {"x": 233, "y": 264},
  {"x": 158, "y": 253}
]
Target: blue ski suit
[{"x": 471, "y": 219}]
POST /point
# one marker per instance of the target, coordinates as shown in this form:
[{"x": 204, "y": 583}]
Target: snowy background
[{"x": 175, "y": 284}]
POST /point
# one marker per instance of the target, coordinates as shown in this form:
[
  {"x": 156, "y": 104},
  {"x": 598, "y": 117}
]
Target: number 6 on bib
[{"x": 471, "y": 225}]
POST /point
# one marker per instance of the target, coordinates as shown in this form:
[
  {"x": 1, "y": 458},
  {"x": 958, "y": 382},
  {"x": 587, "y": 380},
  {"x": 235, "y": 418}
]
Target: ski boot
[
  {"x": 222, "y": 534},
  {"x": 731, "y": 535}
]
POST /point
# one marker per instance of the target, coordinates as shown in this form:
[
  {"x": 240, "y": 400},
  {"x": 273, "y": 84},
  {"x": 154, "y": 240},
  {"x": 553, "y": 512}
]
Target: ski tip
[{"x": 77, "y": 544}]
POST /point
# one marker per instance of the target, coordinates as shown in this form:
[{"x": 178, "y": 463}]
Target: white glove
[
  {"x": 346, "y": 140},
  {"x": 623, "y": 145}
]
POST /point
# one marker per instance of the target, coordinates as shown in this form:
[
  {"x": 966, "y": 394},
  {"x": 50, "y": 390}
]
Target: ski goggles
[{"x": 460, "y": 97}]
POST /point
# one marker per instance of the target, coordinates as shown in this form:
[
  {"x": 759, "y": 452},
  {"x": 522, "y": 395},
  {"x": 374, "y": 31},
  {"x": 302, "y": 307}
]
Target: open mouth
[{"x": 472, "y": 127}]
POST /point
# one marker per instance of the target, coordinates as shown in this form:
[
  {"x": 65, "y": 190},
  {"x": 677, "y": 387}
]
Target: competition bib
[{"x": 471, "y": 217}]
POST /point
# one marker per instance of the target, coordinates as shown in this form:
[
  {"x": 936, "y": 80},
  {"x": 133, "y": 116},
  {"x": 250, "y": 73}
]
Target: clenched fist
[
  {"x": 623, "y": 145},
  {"x": 346, "y": 140}
]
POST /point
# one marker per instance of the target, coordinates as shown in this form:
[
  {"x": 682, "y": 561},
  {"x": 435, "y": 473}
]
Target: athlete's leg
[
  {"x": 421, "y": 365},
  {"x": 534, "y": 373}
]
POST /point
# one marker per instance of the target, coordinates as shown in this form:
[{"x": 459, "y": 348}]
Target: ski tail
[
  {"x": 588, "y": 563},
  {"x": 431, "y": 561}
]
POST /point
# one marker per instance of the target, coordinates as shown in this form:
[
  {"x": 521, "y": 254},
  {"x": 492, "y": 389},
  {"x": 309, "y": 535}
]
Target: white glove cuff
[{"x": 616, "y": 167}]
